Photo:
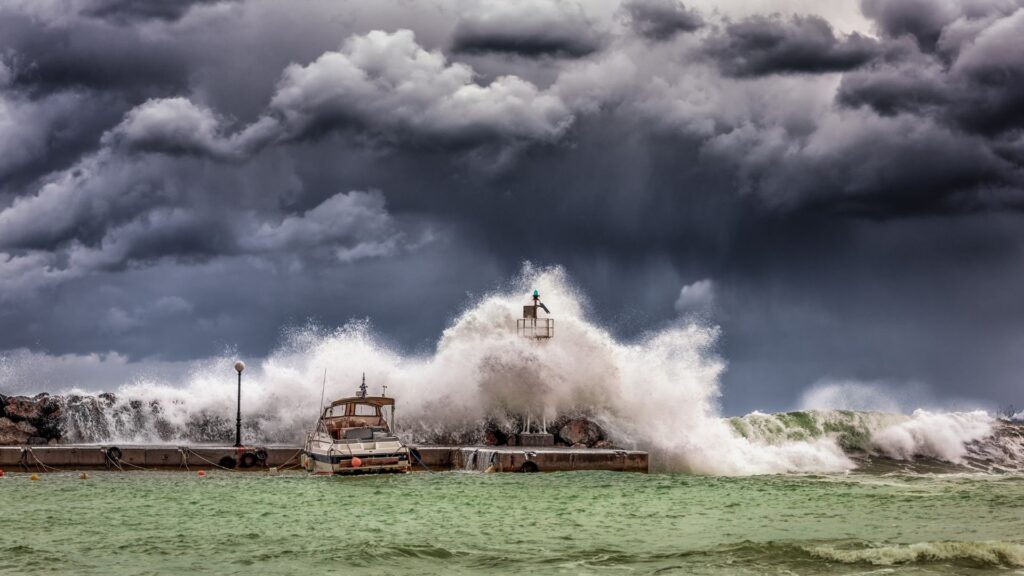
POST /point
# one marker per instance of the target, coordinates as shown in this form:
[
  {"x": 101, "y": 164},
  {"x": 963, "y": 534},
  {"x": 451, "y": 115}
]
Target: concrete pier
[
  {"x": 437, "y": 458},
  {"x": 528, "y": 459}
]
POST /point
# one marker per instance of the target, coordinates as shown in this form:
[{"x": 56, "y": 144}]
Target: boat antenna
[
  {"x": 323, "y": 387},
  {"x": 362, "y": 387},
  {"x": 384, "y": 390},
  {"x": 320, "y": 414}
]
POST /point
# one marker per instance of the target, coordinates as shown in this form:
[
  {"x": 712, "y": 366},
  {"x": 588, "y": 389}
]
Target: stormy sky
[{"x": 838, "y": 185}]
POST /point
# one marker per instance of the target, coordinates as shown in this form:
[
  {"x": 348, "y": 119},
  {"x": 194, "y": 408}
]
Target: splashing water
[{"x": 659, "y": 393}]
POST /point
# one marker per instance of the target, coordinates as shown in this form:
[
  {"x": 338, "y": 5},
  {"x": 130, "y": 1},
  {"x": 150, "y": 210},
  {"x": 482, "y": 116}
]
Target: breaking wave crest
[
  {"x": 659, "y": 393},
  {"x": 973, "y": 554},
  {"x": 973, "y": 440}
]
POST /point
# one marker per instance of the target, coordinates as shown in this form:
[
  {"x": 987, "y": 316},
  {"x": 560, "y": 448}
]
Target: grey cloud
[
  {"x": 119, "y": 320},
  {"x": 922, "y": 19},
  {"x": 161, "y": 233},
  {"x": 82, "y": 201},
  {"x": 382, "y": 85},
  {"x": 979, "y": 91},
  {"x": 172, "y": 126},
  {"x": 88, "y": 54},
  {"x": 28, "y": 272},
  {"x": 774, "y": 45},
  {"x": 529, "y": 28},
  {"x": 993, "y": 69},
  {"x": 891, "y": 89},
  {"x": 348, "y": 226},
  {"x": 661, "y": 19},
  {"x": 389, "y": 86},
  {"x": 867, "y": 166}
]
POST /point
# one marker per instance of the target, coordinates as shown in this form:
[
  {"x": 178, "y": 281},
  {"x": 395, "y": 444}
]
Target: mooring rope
[
  {"x": 416, "y": 454},
  {"x": 132, "y": 465},
  {"x": 290, "y": 458},
  {"x": 200, "y": 456},
  {"x": 45, "y": 468}
]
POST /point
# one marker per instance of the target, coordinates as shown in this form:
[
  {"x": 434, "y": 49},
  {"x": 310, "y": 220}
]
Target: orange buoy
[
  {"x": 356, "y": 462},
  {"x": 34, "y": 477},
  {"x": 201, "y": 473}
]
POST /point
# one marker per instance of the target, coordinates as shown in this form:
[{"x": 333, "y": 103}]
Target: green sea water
[{"x": 473, "y": 523}]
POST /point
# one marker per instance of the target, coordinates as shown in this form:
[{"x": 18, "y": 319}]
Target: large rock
[
  {"x": 35, "y": 420},
  {"x": 580, "y": 431},
  {"x": 15, "y": 432},
  {"x": 19, "y": 408}
]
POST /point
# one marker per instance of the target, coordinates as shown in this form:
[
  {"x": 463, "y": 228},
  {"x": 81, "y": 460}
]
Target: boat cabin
[{"x": 359, "y": 417}]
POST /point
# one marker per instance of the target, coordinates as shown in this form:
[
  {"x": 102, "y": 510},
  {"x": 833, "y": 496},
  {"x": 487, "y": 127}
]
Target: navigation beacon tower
[{"x": 534, "y": 327}]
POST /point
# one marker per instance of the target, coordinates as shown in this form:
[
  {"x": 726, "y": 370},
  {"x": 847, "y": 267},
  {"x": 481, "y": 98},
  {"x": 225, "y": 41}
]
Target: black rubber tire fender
[
  {"x": 114, "y": 453},
  {"x": 529, "y": 467},
  {"x": 248, "y": 460},
  {"x": 228, "y": 462},
  {"x": 261, "y": 454}
]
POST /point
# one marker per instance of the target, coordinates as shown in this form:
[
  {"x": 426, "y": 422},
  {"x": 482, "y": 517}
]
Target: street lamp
[{"x": 239, "y": 366}]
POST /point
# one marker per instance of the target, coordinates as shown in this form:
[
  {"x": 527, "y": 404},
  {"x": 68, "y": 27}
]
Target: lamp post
[{"x": 239, "y": 366}]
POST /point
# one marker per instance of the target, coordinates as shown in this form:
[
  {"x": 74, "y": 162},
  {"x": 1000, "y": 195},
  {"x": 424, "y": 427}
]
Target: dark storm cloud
[
  {"x": 530, "y": 29},
  {"x": 88, "y": 54},
  {"x": 979, "y": 90},
  {"x": 129, "y": 11},
  {"x": 660, "y": 19},
  {"x": 915, "y": 87},
  {"x": 922, "y": 19},
  {"x": 775, "y": 45},
  {"x": 175, "y": 180}
]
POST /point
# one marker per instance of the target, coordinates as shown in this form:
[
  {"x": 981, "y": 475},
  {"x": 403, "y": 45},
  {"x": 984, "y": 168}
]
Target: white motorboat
[{"x": 355, "y": 436}]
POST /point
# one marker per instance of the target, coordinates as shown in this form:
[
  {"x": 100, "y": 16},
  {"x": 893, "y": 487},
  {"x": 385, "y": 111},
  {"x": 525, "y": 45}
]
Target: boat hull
[{"x": 352, "y": 463}]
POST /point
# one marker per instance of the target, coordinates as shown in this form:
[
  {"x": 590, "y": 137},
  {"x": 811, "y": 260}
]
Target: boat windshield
[{"x": 365, "y": 410}]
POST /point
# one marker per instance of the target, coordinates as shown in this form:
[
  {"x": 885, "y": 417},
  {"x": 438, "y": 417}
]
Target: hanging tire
[
  {"x": 114, "y": 453},
  {"x": 261, "y": 454},
  {"x": 248, "y": 460},
  {"x": 228, "y": 462},
  {"x": 529, "y": 467}
]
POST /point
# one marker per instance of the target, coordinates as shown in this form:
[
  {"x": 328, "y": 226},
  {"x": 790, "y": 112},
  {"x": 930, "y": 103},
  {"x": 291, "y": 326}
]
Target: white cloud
[
  {"x": 696, "y": 298},
  {"x": 350, "y": 225},
  {"x": 387, "y": 85},
  {"x": 173, "y": 126}
]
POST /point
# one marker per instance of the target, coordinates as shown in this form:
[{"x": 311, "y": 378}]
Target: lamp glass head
[{"x": 239, "y": 366}]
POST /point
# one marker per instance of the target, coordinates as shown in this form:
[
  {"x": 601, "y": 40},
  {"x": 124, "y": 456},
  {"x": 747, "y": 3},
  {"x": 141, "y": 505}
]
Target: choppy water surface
[{"x": 572, "y": 523}]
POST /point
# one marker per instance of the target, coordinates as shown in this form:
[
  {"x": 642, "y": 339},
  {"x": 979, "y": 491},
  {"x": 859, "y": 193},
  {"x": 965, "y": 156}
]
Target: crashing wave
[
  {"x": 973, "y": 440},
  {"x": 659, "y": 393},
  {"x": 973, "y": 554}
]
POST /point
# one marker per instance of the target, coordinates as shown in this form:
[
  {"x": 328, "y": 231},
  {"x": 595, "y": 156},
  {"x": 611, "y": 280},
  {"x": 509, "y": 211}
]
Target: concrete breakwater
[{"x": 434, "y": 458}]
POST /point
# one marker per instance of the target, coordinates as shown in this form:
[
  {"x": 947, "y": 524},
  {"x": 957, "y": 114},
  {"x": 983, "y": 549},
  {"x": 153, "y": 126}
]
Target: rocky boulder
[
  {"x": 580, "y": 431},
  {"x": 30, "y": 420},
  {"x": 15, "y": 432}
]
